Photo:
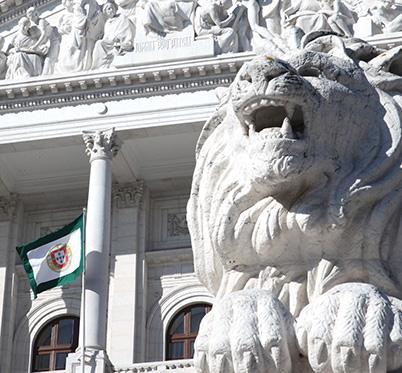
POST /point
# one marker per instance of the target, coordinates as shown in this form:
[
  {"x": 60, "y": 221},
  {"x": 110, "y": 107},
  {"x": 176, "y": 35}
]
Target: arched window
[
  {"x": 183, "y": 330},
  {"x": 54, "y": 342}
]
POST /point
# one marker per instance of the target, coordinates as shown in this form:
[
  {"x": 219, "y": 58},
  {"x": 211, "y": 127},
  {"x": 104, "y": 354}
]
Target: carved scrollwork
[
  {"x": 101, "y": 144},
  {"x": 128, "y": 195}
]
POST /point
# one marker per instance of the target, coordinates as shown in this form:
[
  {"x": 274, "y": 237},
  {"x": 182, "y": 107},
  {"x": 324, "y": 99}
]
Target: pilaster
[
  {"x": 10, "y": 223},
  {"x": 124, "y": 289}
]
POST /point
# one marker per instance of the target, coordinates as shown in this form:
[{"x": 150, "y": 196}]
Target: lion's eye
[{"x": 246, "y": 76}]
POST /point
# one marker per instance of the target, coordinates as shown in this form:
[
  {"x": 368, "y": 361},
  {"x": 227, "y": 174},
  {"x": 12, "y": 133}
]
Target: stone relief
[
  {"x": 89, "y": 37},
  {"x": 177, "y": 225},
  {"x": 295, "y": 213}
]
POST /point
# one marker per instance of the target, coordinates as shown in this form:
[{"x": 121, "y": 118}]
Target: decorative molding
[
  {"x": 163, "y": 311},
  {"x": 101, "y": 144},
  {"x": 194, "y": 75},
  {"x": 128, "y": 195},
  {"x": 8, "y": 207},
  {"x": 52, "y": 306}
]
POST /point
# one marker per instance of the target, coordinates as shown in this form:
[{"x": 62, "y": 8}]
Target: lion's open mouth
[{"x": 276, "y": 119}]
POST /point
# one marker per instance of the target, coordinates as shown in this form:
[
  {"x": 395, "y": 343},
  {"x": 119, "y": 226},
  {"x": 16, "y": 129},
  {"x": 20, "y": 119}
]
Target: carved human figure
[
  {"x": 48, "y": 42},
  {"x": 3, "y": 59},
  {"x": 321, "y": 15},
  {"x": 25, "y": 58},
  {"x": 128, "y": 9},
  {"x": 218, "y": 18},
  {"x": 386, "y": 16},
  {"x": 117, "y": 39},
  {"x": 163, "y": 16},
  {"x": 295, "y": 211},
  {"x": 80, "y": 26}
]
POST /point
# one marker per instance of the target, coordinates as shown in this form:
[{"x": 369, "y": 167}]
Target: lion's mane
[{"x": 357, "y": 200}]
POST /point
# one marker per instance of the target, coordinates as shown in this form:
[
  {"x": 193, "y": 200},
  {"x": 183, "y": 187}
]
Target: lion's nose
[{"x": 268, "y": 69}]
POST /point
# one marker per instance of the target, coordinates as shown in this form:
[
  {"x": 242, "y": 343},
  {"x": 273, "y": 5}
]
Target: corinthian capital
[{"x": 101, "y": 144}]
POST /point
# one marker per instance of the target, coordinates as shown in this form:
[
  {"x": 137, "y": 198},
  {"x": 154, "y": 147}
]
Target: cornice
[
  {"x": 10, "y": 10},
  {"x": 90, "y": 87}
]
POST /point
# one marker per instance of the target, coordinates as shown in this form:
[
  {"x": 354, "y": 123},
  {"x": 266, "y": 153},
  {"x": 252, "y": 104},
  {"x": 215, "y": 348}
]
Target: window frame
[
  {"x": 187, "y": 337},
  {"x": 54, "y": 347}
]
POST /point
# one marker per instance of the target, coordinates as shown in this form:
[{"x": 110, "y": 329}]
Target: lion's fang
[
  {"x": 286, "y": 129},
  {"x": 251, "y": 129}
]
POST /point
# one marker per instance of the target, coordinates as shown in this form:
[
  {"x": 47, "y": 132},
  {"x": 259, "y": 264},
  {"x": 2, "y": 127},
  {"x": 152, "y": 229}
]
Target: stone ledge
[{"x": 144, "y": 81}]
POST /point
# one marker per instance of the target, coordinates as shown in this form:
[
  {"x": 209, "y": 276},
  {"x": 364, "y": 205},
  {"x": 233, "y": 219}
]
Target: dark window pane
[
  {"x": 66, "y": 330},
  {"x": 197, "y": 313},
  {"x": 42, "y": 363},
  {"x": 191, "y": 349},
  {"x": 176, "y": 350},
  {"x": 61, "y": 360},
  {"x": 177, "y": 326},
  {"x": 44, "y": 337}
]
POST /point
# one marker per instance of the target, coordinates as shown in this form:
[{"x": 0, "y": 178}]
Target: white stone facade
[{"x": 157, "y": 97}]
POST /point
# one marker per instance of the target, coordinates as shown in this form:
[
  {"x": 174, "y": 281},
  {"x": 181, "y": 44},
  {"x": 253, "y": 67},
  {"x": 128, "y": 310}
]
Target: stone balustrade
[{"x": 172, "y": 366}]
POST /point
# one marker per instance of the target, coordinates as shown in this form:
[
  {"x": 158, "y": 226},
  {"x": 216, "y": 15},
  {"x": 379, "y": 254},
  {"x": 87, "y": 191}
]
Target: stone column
[{"x": 101, "y": 146}]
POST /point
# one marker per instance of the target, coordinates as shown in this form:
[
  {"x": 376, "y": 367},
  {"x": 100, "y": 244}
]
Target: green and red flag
[{"x": 55, "y": 259}]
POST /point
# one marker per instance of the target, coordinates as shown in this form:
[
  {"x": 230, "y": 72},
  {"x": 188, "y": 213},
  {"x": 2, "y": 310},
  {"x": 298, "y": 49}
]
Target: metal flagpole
[{"x": 84, "y": 212}]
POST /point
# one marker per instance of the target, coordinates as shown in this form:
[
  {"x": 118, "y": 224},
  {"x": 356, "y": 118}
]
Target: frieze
[{"x": 84, "y": 35}]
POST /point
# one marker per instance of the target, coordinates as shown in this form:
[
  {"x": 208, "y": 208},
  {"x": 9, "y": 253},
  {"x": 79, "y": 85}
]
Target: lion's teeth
[
  {"x": 251, "y": 129},
  {"x": 286, "y": 129},
  {"x": 247, "y": 109},
  {"x": 264, "y": 102},
  {"x": 290, "y": 109}
]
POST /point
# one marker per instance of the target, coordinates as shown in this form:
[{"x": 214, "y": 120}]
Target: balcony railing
[{"x": 171, "y": 366}]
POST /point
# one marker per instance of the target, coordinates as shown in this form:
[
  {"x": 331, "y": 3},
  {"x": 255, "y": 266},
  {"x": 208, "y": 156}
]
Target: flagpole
[{"x": 84, "y": 212}]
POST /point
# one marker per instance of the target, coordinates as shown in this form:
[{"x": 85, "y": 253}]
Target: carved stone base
[{"x": 96, "y": 361}]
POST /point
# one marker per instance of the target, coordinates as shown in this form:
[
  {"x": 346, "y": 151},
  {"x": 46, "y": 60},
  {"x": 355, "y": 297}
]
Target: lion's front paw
[
  {"x": 246, "y": 331},
  {"x": 352, "y": 328}
]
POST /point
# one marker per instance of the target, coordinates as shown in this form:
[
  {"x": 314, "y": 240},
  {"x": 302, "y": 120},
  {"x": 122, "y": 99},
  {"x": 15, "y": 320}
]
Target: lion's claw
[
  {"x": 353, "y": 328},
  {"x": 246, "y": 332}
]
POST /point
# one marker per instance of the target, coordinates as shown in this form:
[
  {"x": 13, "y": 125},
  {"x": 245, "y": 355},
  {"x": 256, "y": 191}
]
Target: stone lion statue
[{"x": 295, "y": 214}]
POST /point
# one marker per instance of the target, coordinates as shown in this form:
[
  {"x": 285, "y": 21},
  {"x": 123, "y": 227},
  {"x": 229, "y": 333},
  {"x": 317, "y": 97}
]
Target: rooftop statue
[
  {"x": 222, "y": 20},
  {"x": 163, "y": 16},
  {"x": 295, "y": 214},
  {"x": 25, "y": 56},
  {"x": 319, "y": 15},
  {"x": 117, "y": 38},
  {"x": 48, "y": 42},
  {"x": 81, "y": 25},
  {"x": 386, "y": 16}
]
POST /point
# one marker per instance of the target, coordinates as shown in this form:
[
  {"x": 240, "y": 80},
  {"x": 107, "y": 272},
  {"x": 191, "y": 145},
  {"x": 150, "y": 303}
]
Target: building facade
[{"x": 152, "y": 70}]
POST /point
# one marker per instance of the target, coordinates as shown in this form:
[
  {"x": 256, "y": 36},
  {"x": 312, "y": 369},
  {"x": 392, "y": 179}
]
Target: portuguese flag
[{"x": 55, "y": 259}]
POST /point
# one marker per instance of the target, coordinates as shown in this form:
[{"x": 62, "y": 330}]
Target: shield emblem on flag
[{"x": 59, "y": 257}]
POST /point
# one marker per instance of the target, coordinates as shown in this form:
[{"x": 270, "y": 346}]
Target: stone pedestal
[{"x": 96, "y": 361}]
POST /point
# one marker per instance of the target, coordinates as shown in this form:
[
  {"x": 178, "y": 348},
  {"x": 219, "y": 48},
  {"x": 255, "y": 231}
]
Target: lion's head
[{"x": 300, "y": 165}]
